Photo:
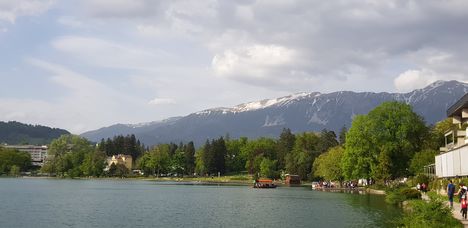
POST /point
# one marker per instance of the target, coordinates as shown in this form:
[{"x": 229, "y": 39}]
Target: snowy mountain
[{"x": 299, "y": 112}]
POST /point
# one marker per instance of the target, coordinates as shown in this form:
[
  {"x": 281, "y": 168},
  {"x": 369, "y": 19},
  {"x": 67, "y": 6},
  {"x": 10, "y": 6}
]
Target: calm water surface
[{"x": 127, "y": 203}]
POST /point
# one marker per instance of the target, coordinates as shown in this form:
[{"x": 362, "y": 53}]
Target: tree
[
  {"x": 11, "y": 157},
  {"x": 284, "y": 146},
  {"x": 358, "y": 156},
  {"x": 328, "y": 164},
  {"x": 67, "y": 154},
  {"x": 159, "y": 159},
  {"x": 235, "y": 161},
  {"x": 268, "y": 168},
  {"x": 254, "y": 152},
  {"x": 300, "y": 160},
  {"x": 15, "y": 171},
  {"x": 342, "y": 135},
  {"x": 190, "y": 158},
  {"x": 391, "y": 128},
  {"x": 421, "y": 159},
  {"x": 94, "y": 163},
  {"x": 327, "y": 140}
]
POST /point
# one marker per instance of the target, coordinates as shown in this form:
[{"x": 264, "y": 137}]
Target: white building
[
  {"x": 453, "y": 160},
  {"x": 38, "y": 153}
]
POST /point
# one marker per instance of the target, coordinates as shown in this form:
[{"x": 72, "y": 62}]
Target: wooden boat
[{"x": 264, "y": 183}]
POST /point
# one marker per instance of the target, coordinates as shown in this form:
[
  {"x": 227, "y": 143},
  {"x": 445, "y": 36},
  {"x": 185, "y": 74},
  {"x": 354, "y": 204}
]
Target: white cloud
[
  {"x": 10, "y": 10},
  {"x": 161, "y": 101},
  {"x": 414, "y": 79},
  {"x": 257, "y": 61}
]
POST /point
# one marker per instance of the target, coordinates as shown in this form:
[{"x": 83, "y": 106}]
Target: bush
[
  {"x": 410, "y": 193},
  {"x": 429, "y": 214},
  {"x": 397, "y": 196}
]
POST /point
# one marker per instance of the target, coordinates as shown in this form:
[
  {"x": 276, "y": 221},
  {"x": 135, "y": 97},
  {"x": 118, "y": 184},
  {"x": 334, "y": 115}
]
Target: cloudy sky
[{"x": 81, "y": 65}]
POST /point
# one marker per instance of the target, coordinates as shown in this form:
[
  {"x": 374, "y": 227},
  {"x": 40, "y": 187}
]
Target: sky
[{"x": 82, "y": 65}]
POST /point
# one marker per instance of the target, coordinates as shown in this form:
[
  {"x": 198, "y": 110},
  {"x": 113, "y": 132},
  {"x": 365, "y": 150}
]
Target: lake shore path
[{"x": 455, "y": 211}]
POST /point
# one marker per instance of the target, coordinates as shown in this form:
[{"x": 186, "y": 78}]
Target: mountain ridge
[{"x": 300, "y": 112}]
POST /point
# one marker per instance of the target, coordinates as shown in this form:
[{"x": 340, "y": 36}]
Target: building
[
  {"x": 120, "y": 159},
  {"x": 455, "y": 153},
  {"x": 38, "y": 153},
  {"x": 292, "y": 179}
]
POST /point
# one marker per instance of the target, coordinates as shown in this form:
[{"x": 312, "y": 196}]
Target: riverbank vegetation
[{"x": 12, "y": 162}]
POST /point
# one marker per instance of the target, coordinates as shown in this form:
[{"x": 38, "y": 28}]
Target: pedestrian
[
  {"x": 424, "y": 187},
  {"x": 450, "y": 192},
  {"x": 460, "y": 193},
  {"x": 463, "y": 202},
  {"x": 418, "y": 187}
]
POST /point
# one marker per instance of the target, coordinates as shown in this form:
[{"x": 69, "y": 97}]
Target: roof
[
  {"x": 265, "y": 181},
  {"x": 456, "y": 109}
]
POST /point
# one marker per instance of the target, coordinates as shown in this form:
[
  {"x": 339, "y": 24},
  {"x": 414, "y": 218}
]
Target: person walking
[
  {"x": 450, "y": 192},
  {"x": 463, "y": 202}
]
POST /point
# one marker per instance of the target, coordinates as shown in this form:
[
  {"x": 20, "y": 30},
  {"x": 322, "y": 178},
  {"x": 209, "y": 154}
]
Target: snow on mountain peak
[{"x": 270, "y": 102}]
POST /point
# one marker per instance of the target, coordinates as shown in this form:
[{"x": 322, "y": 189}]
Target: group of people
[
  {"x": 462, "y": 194},
  {"x": 421, "y": 187}
]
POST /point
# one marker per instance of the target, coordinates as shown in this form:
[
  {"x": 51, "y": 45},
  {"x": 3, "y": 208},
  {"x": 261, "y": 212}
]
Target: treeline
[
  {"x": 12, "y": 162},
  {"x": 128, "y": 145},
  {"x": 18, "y": 133}
]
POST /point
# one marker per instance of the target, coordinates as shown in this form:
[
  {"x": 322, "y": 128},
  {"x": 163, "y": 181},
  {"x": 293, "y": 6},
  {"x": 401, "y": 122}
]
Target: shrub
[
  {"x": 429, "y": 214},
  {"x": 410, "y": 193},
  {"x": 397, "y": 196}
]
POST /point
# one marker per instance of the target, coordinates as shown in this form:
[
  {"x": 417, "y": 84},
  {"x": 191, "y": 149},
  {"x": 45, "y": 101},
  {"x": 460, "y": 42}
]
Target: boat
[{"x": 264, "y": 183}]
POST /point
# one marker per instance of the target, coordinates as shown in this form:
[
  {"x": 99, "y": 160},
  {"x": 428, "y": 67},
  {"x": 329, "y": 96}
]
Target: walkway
[{"x": 455, "y": 211}]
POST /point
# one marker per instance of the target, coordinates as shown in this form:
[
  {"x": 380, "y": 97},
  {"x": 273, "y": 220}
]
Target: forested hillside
[{"x": 18, "y": 133}]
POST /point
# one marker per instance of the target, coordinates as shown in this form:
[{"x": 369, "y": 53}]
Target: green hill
[{"x": 18, "y": 133}]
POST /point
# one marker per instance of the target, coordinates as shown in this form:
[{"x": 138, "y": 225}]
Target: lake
[{"x": 135, "y": 203}]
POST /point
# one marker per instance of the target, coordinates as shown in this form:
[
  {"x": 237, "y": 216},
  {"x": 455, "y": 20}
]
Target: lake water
[{"x": 134, "y": 203}]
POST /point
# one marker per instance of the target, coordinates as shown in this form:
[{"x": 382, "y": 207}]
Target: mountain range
[{"x": 299, "y": 112}]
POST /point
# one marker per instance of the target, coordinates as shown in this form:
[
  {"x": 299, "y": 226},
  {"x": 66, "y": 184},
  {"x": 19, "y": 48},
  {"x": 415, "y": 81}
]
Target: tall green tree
[
  {"x": 235, "y": 161},
  {"x": 328, "y": 164},
  {"x": 327, "y": 140},
  {"x": 254, "y": 152},
  {"x": 421, "y": 159},
  {"x": 300, "y": 160},
  {"x": 284, "y": 147},
  {"x": 66, "y": 154},
  {"x": 189, "y": 158},
  {"x": 391, "y": 128}
]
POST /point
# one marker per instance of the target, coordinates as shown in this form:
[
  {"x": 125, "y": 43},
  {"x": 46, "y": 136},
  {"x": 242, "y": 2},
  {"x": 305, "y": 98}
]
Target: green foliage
[
  {"x": 235, "y": 162},
  {"x": 398, "y": 195},
  {"x": 421, "y": 159},
  {"x": 284, "y": 146},
  {"x": 155, "y": 161},
  {"x": 15, "y": 171},
  {"x": 300, "y": 160},
  {"x": 120, "y": 144},
  {"x": 73, "y": 156},
  {"x": 10, "y": 158},
  {"x": 254, "y": 152},
  {"x": 421, "y": 178},
  {"x": 434, "y": 213},
  {"x": 391, "y": 128},
  {"x": 18, "y": 133},
  {"x": 328, "y": 165},
  {"x": 268, "y": 168},
  {"x": 436, "y": 137}
]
